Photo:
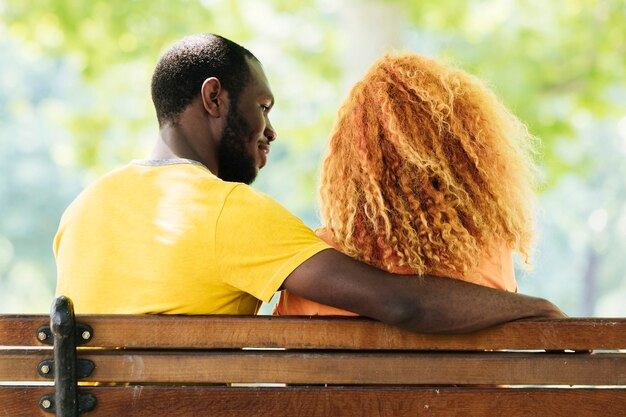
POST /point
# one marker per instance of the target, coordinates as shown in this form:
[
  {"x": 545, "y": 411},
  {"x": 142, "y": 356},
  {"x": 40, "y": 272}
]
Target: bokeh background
[{"x": 75, "y": 103}]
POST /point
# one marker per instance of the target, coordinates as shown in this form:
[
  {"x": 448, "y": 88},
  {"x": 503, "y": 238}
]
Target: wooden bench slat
[
  {"x": 21, "y": 365},
  {"x": 323, "y": 402},
  {"x": 225, "y": 332},
  {"x": 334, "y": 367},
  {"x": 20, "y": 330},
  {"x": 362, "y": 368}
]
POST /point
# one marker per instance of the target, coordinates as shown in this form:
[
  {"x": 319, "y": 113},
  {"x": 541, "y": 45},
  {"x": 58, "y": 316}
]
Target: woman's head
[{"x": 426, "y": 169}]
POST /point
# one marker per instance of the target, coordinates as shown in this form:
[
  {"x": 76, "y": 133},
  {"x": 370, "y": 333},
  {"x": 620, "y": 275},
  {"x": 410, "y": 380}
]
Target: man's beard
[{"x": 235, "y": 163}]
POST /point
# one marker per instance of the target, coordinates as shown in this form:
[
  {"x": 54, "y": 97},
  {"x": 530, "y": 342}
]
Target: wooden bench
[{"x": 132, "y": 365}]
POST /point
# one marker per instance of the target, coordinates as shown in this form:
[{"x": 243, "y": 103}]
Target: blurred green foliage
[
  {"x": 75, "y": 102},
  {"x": 547, "y": 60}
]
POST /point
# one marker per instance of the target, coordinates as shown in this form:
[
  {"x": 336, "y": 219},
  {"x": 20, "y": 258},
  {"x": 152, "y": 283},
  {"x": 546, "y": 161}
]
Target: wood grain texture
[
  {"x": 360, "y": 368},
  {"x": 231, "y": 332},
  {"x": 142, "y": 401},
  {"x": 21, "y": 330},
  {"x": 21, "y": 365},
  {"x": 334, "y": 367}
]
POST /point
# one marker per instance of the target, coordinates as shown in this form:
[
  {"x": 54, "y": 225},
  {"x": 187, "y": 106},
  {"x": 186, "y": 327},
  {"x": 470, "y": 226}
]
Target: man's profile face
[{"x": 245, "y": 142}]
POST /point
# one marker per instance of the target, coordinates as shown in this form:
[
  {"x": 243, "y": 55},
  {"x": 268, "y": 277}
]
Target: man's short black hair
[{"x": 181, "y": 70}]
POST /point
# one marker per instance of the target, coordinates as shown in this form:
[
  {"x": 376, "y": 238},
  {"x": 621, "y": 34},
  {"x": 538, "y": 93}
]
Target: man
[{"x": 182, "y": 233}]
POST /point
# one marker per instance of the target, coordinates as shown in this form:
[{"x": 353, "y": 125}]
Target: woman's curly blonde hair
[{"x": 426, "y": 169}]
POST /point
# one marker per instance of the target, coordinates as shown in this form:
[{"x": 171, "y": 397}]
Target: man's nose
[{"x": 270, "y": 133}]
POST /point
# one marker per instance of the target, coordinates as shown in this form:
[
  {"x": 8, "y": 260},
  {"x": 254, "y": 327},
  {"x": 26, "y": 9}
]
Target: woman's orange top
[{"x": 495, "y": 270}]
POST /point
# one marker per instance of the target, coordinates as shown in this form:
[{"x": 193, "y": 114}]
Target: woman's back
[{"x": 495, "y": 269}]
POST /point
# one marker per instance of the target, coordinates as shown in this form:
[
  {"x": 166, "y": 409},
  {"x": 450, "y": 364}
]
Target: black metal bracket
[
  {"x": 84, "y": 333},
  {"x": 65, "y": 368},
  {"x": 85, "y": 403},
  {"x": 84, "y": 368}
]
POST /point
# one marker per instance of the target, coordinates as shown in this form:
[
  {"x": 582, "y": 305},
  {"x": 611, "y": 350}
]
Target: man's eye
[{"x": 264, "y": 107}]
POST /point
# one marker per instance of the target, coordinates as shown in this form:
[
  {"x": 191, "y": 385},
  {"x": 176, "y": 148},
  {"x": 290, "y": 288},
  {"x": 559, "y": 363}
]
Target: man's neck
[{"x": 172, "y": 144}]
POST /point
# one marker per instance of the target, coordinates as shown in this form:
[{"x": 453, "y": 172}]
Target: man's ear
[{"x": 213, "y": 96}]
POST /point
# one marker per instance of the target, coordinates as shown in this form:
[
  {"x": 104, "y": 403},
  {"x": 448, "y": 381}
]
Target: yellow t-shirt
[{"x": 170, "y": 237}]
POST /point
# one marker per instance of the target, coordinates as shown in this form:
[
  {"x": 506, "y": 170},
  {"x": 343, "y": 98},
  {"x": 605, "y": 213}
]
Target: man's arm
[{"x": 419, "y": 303}]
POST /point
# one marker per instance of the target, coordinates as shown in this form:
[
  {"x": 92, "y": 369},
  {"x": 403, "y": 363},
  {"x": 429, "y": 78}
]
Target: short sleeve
[{"x": 258, "y": 242}]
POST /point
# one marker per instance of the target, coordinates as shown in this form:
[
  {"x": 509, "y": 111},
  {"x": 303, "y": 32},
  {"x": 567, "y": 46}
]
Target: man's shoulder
[
  {"x": 244, "y": 202},
  {"x": 165, "y": 174},
  {"x": 146, "y": 181},
  {"x": 243, "y": 194}
]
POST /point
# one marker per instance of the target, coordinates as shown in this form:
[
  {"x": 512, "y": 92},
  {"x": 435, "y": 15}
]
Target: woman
[{"x": 427, "y": 173}]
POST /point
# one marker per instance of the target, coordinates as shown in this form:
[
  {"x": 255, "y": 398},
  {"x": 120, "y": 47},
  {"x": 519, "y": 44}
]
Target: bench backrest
[{"x": 161, "y": 363}]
